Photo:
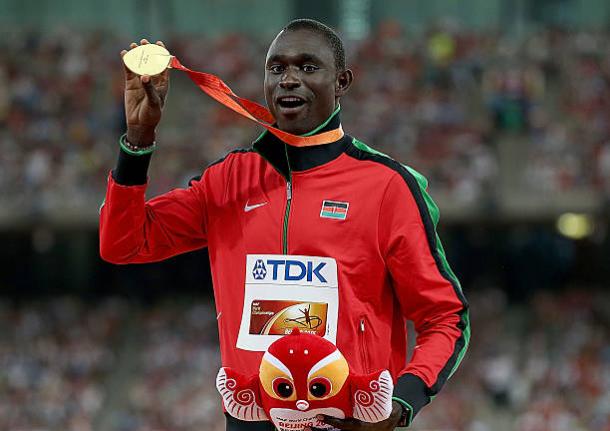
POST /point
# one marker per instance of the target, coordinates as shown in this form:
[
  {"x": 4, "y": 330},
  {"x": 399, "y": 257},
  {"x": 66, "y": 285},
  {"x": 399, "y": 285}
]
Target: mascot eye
[
  {"x": 283, "y": 387},
  {"x": 320, "y": 387}
]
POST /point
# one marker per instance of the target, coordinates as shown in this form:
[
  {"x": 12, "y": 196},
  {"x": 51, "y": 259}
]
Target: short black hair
[{"x": 330, "y": 36}]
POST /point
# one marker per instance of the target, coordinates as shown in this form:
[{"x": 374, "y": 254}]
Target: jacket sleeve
[
  {"x": 427, "y": 289},
  {"x": 133, "y": 230}
]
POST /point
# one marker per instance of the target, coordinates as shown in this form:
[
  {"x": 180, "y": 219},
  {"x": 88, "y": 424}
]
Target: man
[{"x": 340, "y": 211}]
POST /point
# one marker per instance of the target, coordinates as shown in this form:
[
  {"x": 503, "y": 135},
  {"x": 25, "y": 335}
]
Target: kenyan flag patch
[{"x": 334, "y": 209}]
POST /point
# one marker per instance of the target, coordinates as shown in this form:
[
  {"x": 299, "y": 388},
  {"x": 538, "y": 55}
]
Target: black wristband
[{"x": 131, "y": 169}]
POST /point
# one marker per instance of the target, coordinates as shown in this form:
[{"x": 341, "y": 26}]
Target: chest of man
[{"x": 332, "y": 210}]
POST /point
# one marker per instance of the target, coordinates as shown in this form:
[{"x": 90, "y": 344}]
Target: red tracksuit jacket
[{"x": 369, "y": 214}]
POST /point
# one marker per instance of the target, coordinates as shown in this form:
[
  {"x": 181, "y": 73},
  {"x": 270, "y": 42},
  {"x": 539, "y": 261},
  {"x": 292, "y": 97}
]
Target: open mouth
[{"x": 290, "y": 102}]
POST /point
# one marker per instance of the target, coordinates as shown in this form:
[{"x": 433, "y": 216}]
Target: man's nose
[{"x": 290, "y": 80}]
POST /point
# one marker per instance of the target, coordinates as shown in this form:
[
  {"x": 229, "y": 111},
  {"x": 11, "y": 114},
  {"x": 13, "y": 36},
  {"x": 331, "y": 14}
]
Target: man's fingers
[
  {"x": 343, "y": 424},
  {"x": 147, "y": 82}
]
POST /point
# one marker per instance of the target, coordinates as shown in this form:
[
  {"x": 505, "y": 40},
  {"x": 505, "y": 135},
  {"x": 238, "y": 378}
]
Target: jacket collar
[{"x": 286, "y": 158}]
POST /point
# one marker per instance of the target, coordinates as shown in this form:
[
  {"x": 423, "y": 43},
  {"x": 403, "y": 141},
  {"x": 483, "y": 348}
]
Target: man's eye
[
  {"x": 309, "y": 68},
  {"x": 276, "y": 68}
]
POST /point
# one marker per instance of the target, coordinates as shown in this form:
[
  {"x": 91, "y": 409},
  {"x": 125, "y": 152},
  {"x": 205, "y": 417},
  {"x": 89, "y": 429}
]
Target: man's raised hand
[{"x": 144, "y": 100}]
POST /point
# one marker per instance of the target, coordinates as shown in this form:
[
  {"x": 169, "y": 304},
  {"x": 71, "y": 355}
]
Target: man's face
[{"x": 301, "y": 81}]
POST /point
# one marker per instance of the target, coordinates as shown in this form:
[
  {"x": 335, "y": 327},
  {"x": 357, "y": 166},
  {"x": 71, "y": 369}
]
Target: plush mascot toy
[{"x": 300, "y": 376}]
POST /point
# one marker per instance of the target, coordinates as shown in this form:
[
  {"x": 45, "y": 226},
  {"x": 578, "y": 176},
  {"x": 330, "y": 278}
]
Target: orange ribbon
[{"x": 214, "y": 87}]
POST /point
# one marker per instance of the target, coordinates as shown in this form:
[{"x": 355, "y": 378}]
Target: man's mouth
[{"x": 290, "y": 104}]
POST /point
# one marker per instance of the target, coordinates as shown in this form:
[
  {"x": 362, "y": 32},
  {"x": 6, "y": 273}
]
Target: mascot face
[{"x": 302, "y": 377}]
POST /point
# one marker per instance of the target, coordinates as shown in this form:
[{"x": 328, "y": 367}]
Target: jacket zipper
[
  {"x": 288, "y": 204},
  {"x": 287, "y": 216},
  {"x": 363, "y": 347}
]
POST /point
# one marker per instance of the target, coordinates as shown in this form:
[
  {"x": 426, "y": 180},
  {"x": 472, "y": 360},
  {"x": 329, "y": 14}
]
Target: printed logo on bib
[
  {"x": 269, "y": 317},
  {"x": 260, "y": 270},
  {"x": 284, "y": 292},
  {"x": 301, "y": 270}
]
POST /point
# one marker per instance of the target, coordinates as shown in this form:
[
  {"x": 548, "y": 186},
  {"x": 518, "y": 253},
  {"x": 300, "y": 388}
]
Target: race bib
[{"x": 283, "y": 292}]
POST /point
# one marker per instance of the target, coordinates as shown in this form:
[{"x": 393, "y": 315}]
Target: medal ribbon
[{"x": 214, "y": 87}]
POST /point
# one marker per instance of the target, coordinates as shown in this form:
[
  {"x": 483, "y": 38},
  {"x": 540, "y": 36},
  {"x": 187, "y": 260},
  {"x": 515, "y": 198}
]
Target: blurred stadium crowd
[
  {"x": 549, "y": 370},
  {"x": 439, "y": 101},
  {"x": 55, "y": 358}
]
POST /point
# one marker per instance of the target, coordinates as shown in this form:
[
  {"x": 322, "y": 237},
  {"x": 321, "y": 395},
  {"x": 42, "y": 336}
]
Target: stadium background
[{"x": 503, "y": 104}]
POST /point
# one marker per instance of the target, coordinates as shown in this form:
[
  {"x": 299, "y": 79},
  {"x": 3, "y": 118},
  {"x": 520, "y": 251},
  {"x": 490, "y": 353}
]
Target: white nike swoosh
[{"x": 248, "y": 208}]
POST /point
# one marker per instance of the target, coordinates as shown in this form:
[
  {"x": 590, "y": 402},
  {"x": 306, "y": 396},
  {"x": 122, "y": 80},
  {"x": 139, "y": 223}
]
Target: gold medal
[{"x": 149, "y": 59}]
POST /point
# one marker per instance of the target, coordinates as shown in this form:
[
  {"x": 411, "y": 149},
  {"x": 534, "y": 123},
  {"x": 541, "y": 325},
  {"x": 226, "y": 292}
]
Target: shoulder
[
  {"x": 224, "y": 165},
  {"x": 400, "y": 172},
  {"x": 239, "y": 154},
  {"x": 405, "y": 181}
]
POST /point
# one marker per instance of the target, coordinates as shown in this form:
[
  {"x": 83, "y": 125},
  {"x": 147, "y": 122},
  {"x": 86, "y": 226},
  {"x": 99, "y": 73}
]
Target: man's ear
[{"x": 344, "y": 81}]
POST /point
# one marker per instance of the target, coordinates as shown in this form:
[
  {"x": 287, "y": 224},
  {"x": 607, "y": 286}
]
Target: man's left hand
[{"x": 352, "y": 424}]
